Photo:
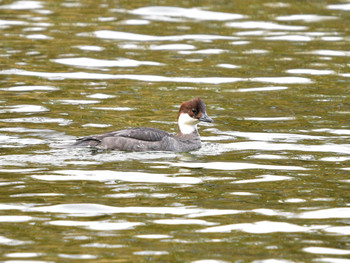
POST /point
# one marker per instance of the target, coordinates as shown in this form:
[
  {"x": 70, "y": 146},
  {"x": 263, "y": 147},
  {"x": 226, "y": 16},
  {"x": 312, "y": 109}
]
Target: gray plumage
[
  {"x": 150, "y": 139},
  {"x": 142, "y": 139}
]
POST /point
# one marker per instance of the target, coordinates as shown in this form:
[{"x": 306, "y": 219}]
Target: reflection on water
[{"x": 271, "y": 182}]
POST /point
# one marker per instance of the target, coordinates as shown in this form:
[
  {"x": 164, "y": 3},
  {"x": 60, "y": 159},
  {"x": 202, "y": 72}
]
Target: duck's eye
[{"x": 194, "y": 111}]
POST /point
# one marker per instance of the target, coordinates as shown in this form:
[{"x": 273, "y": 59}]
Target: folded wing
[{"x": 142, "y": 134}]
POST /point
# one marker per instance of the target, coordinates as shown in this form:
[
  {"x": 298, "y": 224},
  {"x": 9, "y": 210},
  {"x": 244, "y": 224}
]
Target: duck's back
[
  {"x": 141, "y": 139},
  {"x": 133, "y": 139}
]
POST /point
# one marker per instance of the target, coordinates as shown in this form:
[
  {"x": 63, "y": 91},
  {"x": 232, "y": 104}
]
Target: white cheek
[{"x": 187, "y": 124}]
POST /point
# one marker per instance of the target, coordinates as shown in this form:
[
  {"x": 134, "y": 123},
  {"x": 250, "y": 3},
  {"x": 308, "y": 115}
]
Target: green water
[{"x": 271, "y": 182}]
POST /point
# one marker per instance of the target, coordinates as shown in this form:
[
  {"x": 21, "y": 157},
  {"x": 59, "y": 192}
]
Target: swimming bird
[{"x": 142, "y": 139}]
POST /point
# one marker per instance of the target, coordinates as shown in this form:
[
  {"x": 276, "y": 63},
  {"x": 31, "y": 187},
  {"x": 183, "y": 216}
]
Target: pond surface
[{"x": 271, "y": 182}]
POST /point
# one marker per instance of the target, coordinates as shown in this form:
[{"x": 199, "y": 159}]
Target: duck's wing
[
  {"x": 140, "y": 133},
  {"x": 143, "y": 134}
]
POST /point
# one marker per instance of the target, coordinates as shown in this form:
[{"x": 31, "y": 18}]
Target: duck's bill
[{"x": 205, "y": 118}]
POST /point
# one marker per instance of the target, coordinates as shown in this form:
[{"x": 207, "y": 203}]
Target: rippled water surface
[{"x": 271, "y": 182}]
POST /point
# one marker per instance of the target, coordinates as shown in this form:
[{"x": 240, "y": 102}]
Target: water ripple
[
  {"x": 102, "y": 176},
  {"x": 264, "y": 25},
  {"x": 5, "y": 23},
  {"x": 273, "y": 170},
  {"x": 84, "y": 209},
  {"x": 23, "y": 5},
  {"x": 154, "y": 78},
  {"x": 305, "y": 18},
  {"x": 31, "y": 88},
  {"x": 267, "y": 146},
  {"x": 344, "y": 7},
  {"x": 165, "y": 12},
  {"x": 235, "y": 166},
  {"x": 261, "y": 227},
  {"x": 99, "y": 225},
  {"x": 118, "y": 35},
  {"x": 24, "y": 108},
  {"x": 60, "y": 121},
  {"x": 91, "y": 62},
  {"x": 338, "y": 212}
]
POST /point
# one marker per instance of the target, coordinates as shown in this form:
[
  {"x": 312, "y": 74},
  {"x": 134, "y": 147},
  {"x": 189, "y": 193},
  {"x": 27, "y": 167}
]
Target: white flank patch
[{"x": 187, "y": 125}]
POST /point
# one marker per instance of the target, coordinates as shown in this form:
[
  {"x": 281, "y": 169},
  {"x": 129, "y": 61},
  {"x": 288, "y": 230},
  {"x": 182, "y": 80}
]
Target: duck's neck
[{"x": 186, "y": 124}]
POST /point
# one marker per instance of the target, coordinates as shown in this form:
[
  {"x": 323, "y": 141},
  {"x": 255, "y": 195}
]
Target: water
[{"x": 271, "y": 182}]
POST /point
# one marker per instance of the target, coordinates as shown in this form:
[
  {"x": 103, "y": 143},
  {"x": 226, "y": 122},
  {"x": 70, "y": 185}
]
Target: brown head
[{"x": 191, "y": 112}]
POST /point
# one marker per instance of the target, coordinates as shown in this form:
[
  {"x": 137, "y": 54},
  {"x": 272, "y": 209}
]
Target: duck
[{"x": 142, "y": 139}]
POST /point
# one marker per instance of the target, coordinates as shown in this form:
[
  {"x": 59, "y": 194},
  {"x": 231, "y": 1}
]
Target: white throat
[{"x": 187, "y": 125}]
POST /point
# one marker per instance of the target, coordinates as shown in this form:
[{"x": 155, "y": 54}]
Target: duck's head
[{"x": 190, "y": 114}]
